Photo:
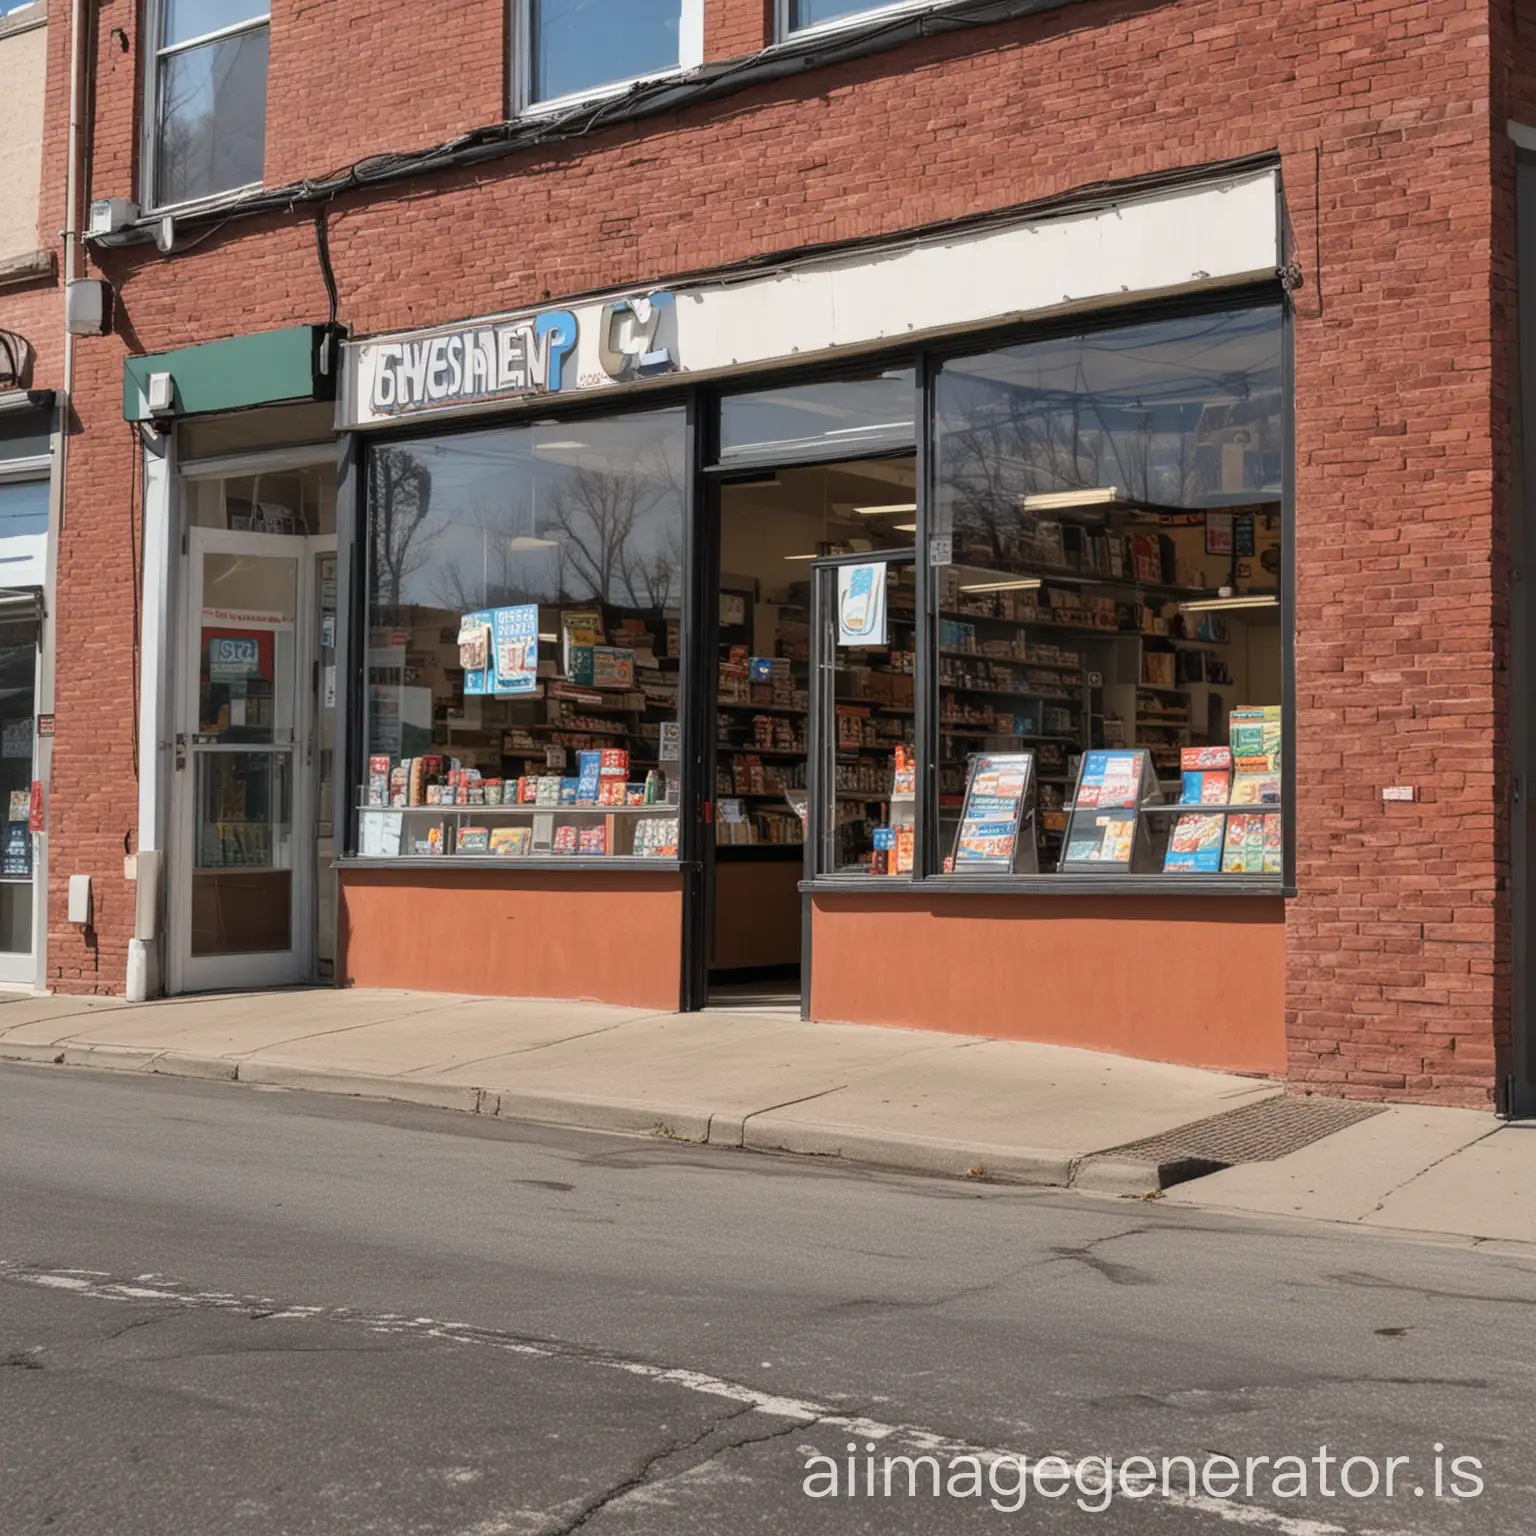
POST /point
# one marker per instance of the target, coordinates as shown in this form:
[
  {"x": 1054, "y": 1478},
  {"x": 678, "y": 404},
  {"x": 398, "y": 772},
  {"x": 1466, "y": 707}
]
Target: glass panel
[
  {"x": 292, "y": 501},
  {"x": 866, "y": 703},
  {"x": 325, "y": 768},
  {"x": 242, "y": 885},
  {"x": 843, "y": 413},
  {"x": 24, "y": 509},
  {"x": 213, "y": 118},
  {"x": 1113, "y": 501},
  {"x": 581, "y": 45},
  {"x": 771, "y": 528},
  {"x": 812, "y": 13},
  {"x": 246, "y": 654},
  {"x": 23, "y": 434},
  {"x": 272, "y": 426},
  {"x": 187, "y": 19},
  {"x": 525, "y": 606},
  {"x": 18, "y": 672}
]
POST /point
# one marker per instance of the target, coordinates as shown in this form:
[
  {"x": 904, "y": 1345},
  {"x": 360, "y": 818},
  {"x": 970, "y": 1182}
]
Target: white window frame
[
  {"x": 690, "y": 47},
  {"x": 154, "y": 26},
  {"x": 874, "y": 11}
]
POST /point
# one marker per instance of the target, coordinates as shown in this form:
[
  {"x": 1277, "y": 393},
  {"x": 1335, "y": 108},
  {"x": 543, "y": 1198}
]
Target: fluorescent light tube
[
  {"x": 1247, "y": 600},
  {"x": 887, "y": 511},
  {"x": 1017, "y": 584},
  {"x": 1051, "y": 501}
]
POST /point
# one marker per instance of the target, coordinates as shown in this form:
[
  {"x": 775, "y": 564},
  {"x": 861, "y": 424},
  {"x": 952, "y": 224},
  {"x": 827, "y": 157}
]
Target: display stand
[
  {"x": 1107, "y": 831},
  {"x": 996, "y": 835}
]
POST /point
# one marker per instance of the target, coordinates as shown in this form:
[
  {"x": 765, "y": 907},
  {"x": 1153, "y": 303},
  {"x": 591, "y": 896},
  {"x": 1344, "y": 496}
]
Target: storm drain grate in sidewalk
[{"x": 1255, "y": 1133}]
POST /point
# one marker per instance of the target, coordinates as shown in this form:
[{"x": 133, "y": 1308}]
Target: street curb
[
  {"x": 921, "y": 1154},
  {"x": 763, "y": 1132},
  {"x": 631, "y": 1117},
  {"x": 351, "y": 1085}
]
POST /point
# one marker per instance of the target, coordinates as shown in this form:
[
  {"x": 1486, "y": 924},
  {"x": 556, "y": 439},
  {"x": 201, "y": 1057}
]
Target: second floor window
[
  {"x": 801, "y": 15},
  {"x": 576, "y": 48},
  {"x": 209, "y": 101}
]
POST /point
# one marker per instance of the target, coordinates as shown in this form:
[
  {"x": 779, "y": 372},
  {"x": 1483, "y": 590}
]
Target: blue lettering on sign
[{"x": 231, "y": 660}]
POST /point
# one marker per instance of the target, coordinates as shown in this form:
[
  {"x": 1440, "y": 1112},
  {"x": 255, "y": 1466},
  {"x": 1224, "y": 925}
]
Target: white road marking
[{"x": 155, "y": 1289}]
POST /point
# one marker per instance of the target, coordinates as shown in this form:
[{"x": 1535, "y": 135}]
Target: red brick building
[{"x": 1182, "y": 338}]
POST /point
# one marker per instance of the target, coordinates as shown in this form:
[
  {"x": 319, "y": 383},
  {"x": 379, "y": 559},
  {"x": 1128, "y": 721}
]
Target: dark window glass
[
  {"x": 836, "y": 415},
  {"x": 524, "y": 620},
  {"x": 812, "y": 13},
  {"x": 1113, "y": 504},
  {"x": 582, "y": 45},
  {"x": 212, "y": 118}
]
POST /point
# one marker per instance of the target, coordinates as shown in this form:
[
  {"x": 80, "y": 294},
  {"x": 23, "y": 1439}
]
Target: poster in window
[
  {"x": 475, "y": 651},
  {"x": 516, "y": 661},
  {"x": 861, "y": 604},
  {"x": 1218, "y": 533}
]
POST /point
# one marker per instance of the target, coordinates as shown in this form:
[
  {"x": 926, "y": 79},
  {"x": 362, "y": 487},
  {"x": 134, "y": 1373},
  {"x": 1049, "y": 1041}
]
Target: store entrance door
[{"x": 243, "y": 860}]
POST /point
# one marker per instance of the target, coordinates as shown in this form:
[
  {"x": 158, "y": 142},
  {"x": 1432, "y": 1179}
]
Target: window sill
[
  {"x": 514, "y": 866},
  {"x": 1051, "y": 885}
]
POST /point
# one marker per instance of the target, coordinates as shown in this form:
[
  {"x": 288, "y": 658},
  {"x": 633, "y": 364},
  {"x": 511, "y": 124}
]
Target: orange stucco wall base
[
  {"x": 608, "y": 937},
  {"x": 1188, "y": 979}
]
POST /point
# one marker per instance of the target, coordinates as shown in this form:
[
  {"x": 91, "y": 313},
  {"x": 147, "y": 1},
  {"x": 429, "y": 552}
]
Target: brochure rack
[
  {"x": 1107, "y": 832},
  {"x": 996, "y": 834}
]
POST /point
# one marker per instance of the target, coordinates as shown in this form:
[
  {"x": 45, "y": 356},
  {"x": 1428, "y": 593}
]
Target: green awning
[{"x": 268, "y": 368}]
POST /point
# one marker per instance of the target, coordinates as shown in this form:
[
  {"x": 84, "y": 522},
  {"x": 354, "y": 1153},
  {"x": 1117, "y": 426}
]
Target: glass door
[
  {"x": 863, "y": 771},
  {"x": 243, "y": 881}
]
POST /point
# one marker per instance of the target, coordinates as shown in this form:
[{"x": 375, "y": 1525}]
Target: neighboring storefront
[
  {"x": 26, "y": 492},
  {"x": 854, "y": 630}
]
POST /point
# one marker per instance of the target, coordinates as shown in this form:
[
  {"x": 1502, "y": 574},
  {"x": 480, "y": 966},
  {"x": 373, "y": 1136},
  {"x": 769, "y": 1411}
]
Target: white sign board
[
  {"x": 861, "y": 604},
  {"x": 1184, "y": 237}
]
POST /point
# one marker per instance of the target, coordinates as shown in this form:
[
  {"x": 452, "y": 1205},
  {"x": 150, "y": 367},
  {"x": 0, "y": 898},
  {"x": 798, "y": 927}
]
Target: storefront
[
  {"x": 26, "y": 490},
  {"x": 903, "y": 627}
]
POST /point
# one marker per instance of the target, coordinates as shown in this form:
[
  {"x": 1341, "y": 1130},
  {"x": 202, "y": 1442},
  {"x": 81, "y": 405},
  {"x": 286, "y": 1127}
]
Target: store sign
[
  {"x": 1192, "y": 236},
  {"x": 232, "y": 660},
  {"x": 861, "y": 604},
  {"x": 556, "y": 351}
]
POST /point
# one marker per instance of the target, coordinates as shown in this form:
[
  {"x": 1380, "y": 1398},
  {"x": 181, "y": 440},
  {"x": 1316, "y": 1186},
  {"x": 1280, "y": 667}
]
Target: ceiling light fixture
[
  {"x": 904, "y": 527},
  {"x": 526, "y": 541},
  {"x": 1056, "y": 501},
  {"x": 1017, "y": 584},
  {"x": 802, "y": 557},
  {"x": 1245, "y": 600},
  {"x": 561, "y": 445},
  {"x": 890, "y": 510}
]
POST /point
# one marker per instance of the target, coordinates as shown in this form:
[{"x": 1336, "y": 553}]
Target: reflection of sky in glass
[
  {"x": 811, "y": 13},
  {"x": 1144, "y": 409},
  {"x": 186, "y": 19},
  {"x": 23, "y": 508},
  {"x": 570, "y": 512},
  {"x": 213, "y": 117},
  {"x": 582, "y": 44},
  {"x": 843, "y": 411}
]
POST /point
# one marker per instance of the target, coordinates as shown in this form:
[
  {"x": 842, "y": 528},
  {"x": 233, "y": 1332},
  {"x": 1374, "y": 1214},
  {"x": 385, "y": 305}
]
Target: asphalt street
[{"x": 233, "y": 1310}]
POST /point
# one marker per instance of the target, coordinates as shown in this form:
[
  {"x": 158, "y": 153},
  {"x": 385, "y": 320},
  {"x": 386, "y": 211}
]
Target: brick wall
[{"x": 1381, "y": 112}]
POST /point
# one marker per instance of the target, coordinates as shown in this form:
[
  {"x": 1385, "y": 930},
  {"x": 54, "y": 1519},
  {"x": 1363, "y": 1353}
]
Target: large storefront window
[
  {"x": 525, "y": 596},
  {"x": 1108, "y": 644}
]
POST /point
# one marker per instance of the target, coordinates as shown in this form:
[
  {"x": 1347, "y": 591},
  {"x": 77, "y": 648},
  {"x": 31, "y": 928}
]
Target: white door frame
[{"x": 238, "y": 972}]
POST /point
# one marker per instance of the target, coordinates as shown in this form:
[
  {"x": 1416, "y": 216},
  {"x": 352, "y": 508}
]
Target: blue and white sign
[
  {"x": 861, "y": 604},
  {"x": 232, "y": 660},
  {"x": 515, "y": 647}
]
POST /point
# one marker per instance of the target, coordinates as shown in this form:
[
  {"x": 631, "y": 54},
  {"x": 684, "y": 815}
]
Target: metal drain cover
[{"x": 1255, "y": 1133}]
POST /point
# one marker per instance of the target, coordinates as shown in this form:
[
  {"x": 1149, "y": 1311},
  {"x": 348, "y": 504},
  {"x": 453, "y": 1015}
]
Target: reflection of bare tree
[
  {"x": 597, "y": 517},
  {"x": 401, "y": 498}
]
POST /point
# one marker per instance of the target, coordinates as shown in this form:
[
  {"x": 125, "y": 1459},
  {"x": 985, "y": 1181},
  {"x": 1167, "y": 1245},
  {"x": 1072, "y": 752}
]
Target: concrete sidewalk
[
  {"x": 759, "y": 1079},
  {"x": 763, "y": 1080}
]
